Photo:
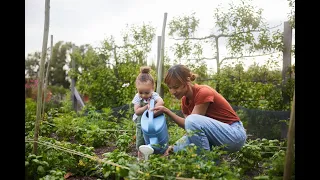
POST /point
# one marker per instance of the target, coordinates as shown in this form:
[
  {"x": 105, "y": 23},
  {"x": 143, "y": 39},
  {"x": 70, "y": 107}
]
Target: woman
[{"x": 208, "y": 117}]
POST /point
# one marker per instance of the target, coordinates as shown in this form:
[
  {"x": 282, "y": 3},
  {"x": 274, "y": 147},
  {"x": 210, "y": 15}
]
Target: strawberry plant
[
  {"x": 99, "y": 128},
  {"x": 120, "y": 158},
  {"x": 274, "y": 167},
  {"x": 65, "y": 161},
  {"x": 94, "y": 136},
  {"x": 35, "y": 167},
  {"x": 54, "y": 175},
  {"x": 248, "y": 158},
  {"x": 123, "y": 142}
]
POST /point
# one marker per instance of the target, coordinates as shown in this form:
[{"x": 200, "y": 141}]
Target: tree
[
  {"x": 32, "y": 65},
  {"x": 292, "y": 13},
  {"x": 291, "y": 17},
  {"x": 243, "y": 27},
  {"x": 58, "y": 65},
  {"x": 136, "y": 44},
  {"x": 57, "y": 75},
  {"x": 108, "y": 73}
]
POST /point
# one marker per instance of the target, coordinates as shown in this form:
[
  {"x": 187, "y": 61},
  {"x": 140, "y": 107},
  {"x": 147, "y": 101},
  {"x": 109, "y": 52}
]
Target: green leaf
[
  {"x": 35, "y": 161},
  {"x": 261, "y": 177},
  {"x": 106, "y": 174},
  {"x": 40, "y": 170}
]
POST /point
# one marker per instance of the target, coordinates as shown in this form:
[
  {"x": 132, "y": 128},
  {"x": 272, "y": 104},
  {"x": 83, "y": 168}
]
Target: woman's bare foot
[
  {"x": 139, "y": 155},
  {"x": 168, "y": 151}
]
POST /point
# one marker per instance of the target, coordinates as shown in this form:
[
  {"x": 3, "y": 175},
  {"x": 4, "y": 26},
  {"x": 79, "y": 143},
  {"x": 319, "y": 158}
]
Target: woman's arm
[
  {"x": 177, "y": 119},
  {"x": 200, "y": 109},
  {"x": 158, "y": 103}
]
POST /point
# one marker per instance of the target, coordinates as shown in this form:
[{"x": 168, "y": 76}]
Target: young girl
[{"x": 145, "y": 88}]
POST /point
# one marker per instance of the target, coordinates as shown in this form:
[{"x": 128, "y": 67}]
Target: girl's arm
[{"x": 139, "y": 110}]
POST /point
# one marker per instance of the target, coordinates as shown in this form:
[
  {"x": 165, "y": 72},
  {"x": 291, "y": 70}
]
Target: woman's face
[
  {"x": 177, "y": 88},
  {"x": 145, "y": 90}
]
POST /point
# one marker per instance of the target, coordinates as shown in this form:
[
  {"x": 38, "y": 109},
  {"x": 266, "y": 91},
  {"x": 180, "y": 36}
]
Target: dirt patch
[
  {"x": 99, "y": 152},
  {"x": 82, "y": 178},
  {"x": 104, "y": 149},
  {"x": 132, "y": 150}
]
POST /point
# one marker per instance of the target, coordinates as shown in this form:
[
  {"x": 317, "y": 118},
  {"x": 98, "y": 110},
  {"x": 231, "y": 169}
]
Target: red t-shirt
[{"x": 218, "y": 109}]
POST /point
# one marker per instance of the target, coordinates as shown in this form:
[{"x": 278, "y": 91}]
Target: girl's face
[
  {"x": 145, "y": 90},
  {"x": 177, "y": 88}
]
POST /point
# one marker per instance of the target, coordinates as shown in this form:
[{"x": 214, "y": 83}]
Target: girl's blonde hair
[{"x": 145, "y": 76}]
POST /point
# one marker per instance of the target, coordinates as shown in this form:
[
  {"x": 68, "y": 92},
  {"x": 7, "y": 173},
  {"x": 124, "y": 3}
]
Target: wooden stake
[
  {"x": 46, "y": 79},
  {"x": 161, "y": 62},
  {"x": 290, "y": 145},
  {"x": 40, "y": 84}
]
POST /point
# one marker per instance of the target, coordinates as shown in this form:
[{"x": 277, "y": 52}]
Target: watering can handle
[
  {"x": 150, "y": 122},
  {"x": 152, "y": 103}
]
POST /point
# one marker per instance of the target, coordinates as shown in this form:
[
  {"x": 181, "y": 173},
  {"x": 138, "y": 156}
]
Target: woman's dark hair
[{"x": 181, "y": 73}]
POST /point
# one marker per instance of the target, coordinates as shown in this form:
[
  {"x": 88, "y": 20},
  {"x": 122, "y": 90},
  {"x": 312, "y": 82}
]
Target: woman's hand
[{"x": 159, "y": 109}]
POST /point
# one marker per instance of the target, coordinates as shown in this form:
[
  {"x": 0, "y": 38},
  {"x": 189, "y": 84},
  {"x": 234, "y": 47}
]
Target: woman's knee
[{"x": 191, "y": 121}]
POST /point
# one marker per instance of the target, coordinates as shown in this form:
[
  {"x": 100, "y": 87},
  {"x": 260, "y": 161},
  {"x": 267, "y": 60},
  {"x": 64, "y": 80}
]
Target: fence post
[
  {"x": 290, "y": 144},
  {"x": 73, "y": 83},
  {"x": 158, "y": 66},
  {"x": 41, "y": 74},
  {"x": 287, "y": 41},
  {"x": 161, "y": 61},
  {"x": 46, "y": 78}
]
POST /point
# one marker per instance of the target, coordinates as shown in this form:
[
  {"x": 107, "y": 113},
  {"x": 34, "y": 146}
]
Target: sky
[{"x": 90, "y": 22}]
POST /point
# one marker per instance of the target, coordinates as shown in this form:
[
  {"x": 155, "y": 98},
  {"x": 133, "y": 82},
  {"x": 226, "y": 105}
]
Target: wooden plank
[{"x": 78, "y": 97}]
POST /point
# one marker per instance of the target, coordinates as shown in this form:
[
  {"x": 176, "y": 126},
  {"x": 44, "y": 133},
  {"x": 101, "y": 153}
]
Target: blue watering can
[{"x": 154, "y": 131}]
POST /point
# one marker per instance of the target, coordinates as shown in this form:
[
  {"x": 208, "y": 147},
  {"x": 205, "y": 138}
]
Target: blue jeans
[{"x": 205, "y": 132}]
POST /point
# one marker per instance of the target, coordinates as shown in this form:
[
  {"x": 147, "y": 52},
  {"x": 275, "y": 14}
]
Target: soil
[
  {"x": 82, "y": 178},
  {"x": 99, "y": 152},
  {"x": 104, "y": 149}
]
